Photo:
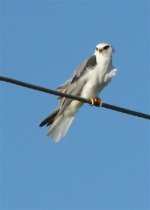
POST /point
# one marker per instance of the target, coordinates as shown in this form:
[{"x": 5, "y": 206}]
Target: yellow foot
[{"x": 96, "y": 101}]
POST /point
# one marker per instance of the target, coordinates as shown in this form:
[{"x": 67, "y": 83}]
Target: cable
[{"x": 84, "y": 100}]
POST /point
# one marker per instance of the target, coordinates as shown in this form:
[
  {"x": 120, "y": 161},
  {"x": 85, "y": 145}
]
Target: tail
[
  {"x": 59, "y": 125},
  {"x": 50, "y": 119}
]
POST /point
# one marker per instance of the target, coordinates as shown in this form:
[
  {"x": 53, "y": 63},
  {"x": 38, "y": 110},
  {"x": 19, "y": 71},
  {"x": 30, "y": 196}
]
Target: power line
[{"x": 84, "y": 100}]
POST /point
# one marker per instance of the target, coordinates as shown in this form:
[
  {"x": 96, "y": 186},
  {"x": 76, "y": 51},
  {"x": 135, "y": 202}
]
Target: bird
[{"x": 88, "y": 81}]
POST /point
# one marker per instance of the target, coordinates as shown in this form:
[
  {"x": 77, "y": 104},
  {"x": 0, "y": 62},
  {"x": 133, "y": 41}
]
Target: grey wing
[
  {"x": 62, "y": 88},
  {"x": 72, "y": 86},
  {"x": 76, "y": 83},
  {"x": 80, "y": 71}
]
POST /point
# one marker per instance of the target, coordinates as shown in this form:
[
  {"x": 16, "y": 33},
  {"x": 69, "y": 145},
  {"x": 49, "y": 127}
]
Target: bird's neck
[{"x": 104, "y": 60}]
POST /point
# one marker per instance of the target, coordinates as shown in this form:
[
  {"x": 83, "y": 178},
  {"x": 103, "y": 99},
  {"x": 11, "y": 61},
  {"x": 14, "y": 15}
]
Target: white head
[{"x": 104, "y": 49}]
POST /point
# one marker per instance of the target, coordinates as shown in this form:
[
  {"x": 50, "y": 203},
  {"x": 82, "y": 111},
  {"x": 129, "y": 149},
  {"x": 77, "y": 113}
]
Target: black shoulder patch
[{"x": 91, "y": 62}]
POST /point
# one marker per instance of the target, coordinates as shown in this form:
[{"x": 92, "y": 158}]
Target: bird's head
[{"x": 104, "y": 49}]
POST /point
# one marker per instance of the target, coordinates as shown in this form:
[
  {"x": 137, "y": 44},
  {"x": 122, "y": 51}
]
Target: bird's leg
[{"x": 95, "y": 102}]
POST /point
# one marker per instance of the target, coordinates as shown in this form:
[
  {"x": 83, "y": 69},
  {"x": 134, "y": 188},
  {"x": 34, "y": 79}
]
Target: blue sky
[{"x": 103, "y": 162}]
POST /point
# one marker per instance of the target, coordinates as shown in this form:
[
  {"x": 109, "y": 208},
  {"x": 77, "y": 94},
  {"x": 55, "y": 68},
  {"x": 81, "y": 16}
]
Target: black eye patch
[{"x": 106, "y": 47}]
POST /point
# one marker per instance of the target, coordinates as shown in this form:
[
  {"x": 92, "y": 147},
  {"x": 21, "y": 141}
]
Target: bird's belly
[
  {"x": 93, "y": 87},
  {"x": 91, "y": 91}
]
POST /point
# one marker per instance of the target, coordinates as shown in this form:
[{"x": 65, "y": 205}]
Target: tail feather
[
  {"x": 50, "y": 119},
  {"x": 60, "y": 127}
]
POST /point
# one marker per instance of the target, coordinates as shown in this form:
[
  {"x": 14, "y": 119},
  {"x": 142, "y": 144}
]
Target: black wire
[{"x": 84, "y": 100}]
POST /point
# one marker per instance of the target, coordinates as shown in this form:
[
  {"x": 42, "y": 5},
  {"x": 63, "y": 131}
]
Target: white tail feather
[{"x": 60, "y": 127}]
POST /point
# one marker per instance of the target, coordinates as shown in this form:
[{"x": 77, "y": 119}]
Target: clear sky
[{"x": 103, "y": 161}]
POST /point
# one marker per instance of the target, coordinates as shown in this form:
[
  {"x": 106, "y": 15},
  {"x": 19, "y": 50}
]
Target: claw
[
  {"x": 96, "y": 102},
  {"x": 91, "y": 101}
]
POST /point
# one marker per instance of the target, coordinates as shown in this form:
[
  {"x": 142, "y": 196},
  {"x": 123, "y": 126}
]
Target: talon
[
  {"x": 100, "y": 102},
  {"x": 96, "y": 102},
  {"x": 91, "y": 100}
]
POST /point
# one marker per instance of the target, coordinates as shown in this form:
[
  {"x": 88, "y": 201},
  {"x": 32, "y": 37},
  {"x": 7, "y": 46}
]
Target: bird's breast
[
  {"x": 92, "y": 85},
  {"x": 95, "y": 81}
]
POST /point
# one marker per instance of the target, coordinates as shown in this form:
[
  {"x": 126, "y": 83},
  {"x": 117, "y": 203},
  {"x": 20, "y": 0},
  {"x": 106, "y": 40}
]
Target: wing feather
[{"x": 74, "y": 85}]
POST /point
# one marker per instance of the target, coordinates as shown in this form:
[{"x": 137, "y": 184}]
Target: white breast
[{"x": 95, "y": 78}]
